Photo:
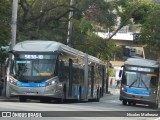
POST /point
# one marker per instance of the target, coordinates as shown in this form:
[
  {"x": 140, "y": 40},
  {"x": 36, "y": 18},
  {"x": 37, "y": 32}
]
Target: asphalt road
[{"x": 109, "y": 108}]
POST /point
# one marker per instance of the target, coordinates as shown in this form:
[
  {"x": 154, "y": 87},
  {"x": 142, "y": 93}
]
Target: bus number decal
[{"x": 33, "y": 56}]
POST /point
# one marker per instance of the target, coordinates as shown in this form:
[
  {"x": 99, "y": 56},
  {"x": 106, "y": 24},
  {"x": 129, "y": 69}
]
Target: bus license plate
[{"x": 136, "y": 99}]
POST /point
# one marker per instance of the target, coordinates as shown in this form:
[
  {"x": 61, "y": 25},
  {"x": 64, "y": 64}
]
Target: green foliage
[
  {"x": 41, "y": 19},
  {"x": 137, "y": 9},
  {"x": 151, "y": 29},
  {"x": 146, "y": 13},
  {"x": 5, "y": 17},
  {"x": 140, "y": 15},
  {"x": 108, "y": 49},
  {"x": 86, "y": 25},
  {"x": 48, "y": 20},
  {"x": 111, "y": 72},
  {"x": 100, "y": 12}
]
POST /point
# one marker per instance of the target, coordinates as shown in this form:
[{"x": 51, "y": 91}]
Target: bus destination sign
[
  {"x": 33, "y": 56},
  {"x": 139, "y": 69}
]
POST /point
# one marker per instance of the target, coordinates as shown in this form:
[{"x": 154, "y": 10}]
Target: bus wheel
[
  {"x": 124, "y": 102},
  {"x": 129, "y": 103},
  {"x": 22, "y": 99},
  {"x": 154, "y": 105},
  {"x": 134, "y": 103}
]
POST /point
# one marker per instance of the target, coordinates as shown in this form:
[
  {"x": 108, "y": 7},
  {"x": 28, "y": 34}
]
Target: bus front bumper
[
  {"x": 142, "y": 99},
  {"x": 50, "y": 91}
]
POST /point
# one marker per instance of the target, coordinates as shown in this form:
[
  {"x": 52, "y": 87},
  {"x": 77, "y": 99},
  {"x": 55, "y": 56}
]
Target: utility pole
[
  {"x": 13, "y": 40},
  {"x": 143, "y": 52},
  {"x": 14, "y": 22},
  {"x": 107, "y": 77},
  {"x": 70, "y": 23}
]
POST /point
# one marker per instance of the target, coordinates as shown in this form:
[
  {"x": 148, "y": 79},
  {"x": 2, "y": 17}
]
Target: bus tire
[
  {"x": 134, "y": 103},
  {"x": 22, "y": 99},
  {"x": 129, "y": 103},
  {"x": 155, "y": 105},
  {"x": 124, "y": 102}
]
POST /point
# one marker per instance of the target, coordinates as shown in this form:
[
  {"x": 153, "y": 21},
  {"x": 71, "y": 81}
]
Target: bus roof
[
  {"x": 37, "y": 46},
  {"x": 141, "y": 62},
  {"x": 50, "y": 46}
]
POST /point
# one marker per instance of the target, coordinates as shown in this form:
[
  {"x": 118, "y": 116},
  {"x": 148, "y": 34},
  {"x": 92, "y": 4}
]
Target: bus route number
[{"x": 33, "y": 56}]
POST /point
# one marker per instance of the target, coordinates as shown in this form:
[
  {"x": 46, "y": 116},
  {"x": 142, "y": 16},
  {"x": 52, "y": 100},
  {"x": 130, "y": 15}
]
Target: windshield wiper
[
  {"x": 133, "y": 83},
  {"x": 20, "y": 72},
  {"x": 34, "y": 68},
  {"x": 144, "y": 84}
]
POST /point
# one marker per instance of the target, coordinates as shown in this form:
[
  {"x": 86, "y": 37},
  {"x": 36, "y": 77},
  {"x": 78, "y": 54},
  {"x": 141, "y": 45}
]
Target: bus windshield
[
  {"x": 33, "y": 68},
  {"x": 141, "y": 80}
]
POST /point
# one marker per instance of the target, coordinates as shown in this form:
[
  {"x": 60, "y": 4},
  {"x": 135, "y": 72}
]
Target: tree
[
  {"x": 48, "y": 19},
  {"x": 131, "y": 12},
  {"x": 144, "y": 13},
  {"x": 151, "y": 28},
  {"x": 43, "y": 19},
  {"x": 5, "y": 17}
]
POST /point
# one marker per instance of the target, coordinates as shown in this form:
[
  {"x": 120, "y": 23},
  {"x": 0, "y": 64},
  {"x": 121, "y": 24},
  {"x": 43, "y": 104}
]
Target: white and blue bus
[
  {"x": 140, "y": 82},
  {"x": 49, "y": 70}
]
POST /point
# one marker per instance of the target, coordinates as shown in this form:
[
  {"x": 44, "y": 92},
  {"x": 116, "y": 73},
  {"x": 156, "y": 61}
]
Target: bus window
[
  {"x": 144, "y": 81},
  {"x": 43, "y": 68},
  {"x": 131, "y": 78},
  {"x": 23, "y": 68},
  {"x": 154, "y": 81}
]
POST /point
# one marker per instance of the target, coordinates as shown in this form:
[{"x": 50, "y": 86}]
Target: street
[
  {"x": 110, "y": 103},
  {"x": 72, "y": 51}
]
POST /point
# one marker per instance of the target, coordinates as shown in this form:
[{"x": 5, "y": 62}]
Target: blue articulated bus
[
  {"x": 140, "y": 82},
  {"x": 49, "y": 70}
]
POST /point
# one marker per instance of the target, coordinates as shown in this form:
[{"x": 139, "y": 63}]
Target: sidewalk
[{"x": 113, "y": 90}]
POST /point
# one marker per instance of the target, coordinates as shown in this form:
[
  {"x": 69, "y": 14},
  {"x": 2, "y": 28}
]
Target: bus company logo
[
  {"x": 6, "y": 114},
  {"x": 21, "y": 114}
]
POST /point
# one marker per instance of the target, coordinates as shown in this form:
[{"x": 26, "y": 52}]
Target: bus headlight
[
  {"x": 123, "y": 88},
  {"x": 12, "y": 81},
  {"x": 51, "y": 82},
  {"x": 155, "y": 91}
]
